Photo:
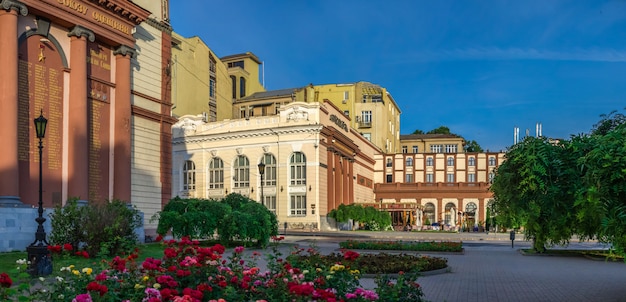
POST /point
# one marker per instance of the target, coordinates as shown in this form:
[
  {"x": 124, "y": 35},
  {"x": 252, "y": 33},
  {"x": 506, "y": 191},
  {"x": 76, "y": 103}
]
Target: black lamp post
[
  {"x": 262, "y": 171},
  {"x": 38, "y": 253}
]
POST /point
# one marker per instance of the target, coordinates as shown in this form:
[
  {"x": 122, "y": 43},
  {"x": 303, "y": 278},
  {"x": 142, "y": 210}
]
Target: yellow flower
[
  {"x": 156, "y": 285},
  {"x": 87, "y": 270},
  {"x": 71, "y": 266},
  {"x": 75, "y": 272},
  {"x": 318, "y": 269},
  {"x": 337, "y": 267},
  {"x": 145, "y": 278},
  {"x": 138, "y": 286},
  {"x": 355, "y": 272}
]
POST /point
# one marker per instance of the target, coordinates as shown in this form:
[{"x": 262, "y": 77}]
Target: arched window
[
  {"x": 409, "y": 162},
  {"x": 233, "y": 79},
  {"x": 492, "y": 160},
  {"x": 429, "y": 213},
  {"x": 297, "y": 169},
  {"x": 429, "y": 161},
  {"x": 242, "y": 87},
  {"x": 216, "y": 173},
  {"x": 450, "y": 161},
  {"x": 189, "y": 175},
  {"x": 472, "y": 161},
  {"x": 449, "y": 214},
  {"x": 269, "y": 178},
  {"x": 241, "y": 175}
]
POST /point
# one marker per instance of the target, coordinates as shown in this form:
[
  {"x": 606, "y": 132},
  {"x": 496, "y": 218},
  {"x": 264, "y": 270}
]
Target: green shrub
[
  {"x": 371, "y": 218},
  {"x": 66, "y": 224}
]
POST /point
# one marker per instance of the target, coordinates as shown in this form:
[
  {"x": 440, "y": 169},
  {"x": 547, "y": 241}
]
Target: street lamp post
[
  {"x": 261, "y": 172},
  {"x": 38, "y": 253}
]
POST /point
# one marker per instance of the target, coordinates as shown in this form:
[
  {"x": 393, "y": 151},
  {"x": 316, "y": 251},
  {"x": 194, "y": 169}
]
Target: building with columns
[
  {"x": 314, "y": 161},
  {"x": 99, "y": 71}
]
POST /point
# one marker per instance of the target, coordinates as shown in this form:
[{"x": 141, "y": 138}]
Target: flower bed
[
  {"x": 380, "y": 263},
  {"x": 423, "y": 246},
  {"x": 189, "y": 272}
]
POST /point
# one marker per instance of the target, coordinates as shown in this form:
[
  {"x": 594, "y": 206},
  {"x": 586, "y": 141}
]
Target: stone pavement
[{"x": 490, "y": 270}]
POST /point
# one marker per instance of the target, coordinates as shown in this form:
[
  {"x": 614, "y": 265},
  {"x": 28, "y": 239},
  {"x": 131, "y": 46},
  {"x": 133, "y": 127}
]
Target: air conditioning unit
[
  {"x": 205, "y": 117},
  {"x": 344, "y": 101}
]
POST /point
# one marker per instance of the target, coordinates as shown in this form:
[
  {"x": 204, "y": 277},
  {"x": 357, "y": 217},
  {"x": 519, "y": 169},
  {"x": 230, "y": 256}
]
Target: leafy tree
[
  {"x": 473, "y": 146},
  {"x": 369, "y": 216},
  {"x": 418, "y": 131},
  {"x": 602, "y": 202},
  {"x": 608, "y": 122},
  {"x": 536, "y": 187},
  {"x": 440, "y": 130}
]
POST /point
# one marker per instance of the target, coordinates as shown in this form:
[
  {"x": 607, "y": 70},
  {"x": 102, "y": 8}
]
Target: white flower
[
  {"x": 42, "y": 279},
  {"x": 59, "y": 279}
]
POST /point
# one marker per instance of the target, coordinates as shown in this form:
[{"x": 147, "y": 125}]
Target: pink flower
[
  {"x": 239, "y": 249},
  {"x": 82, "y": 298}
]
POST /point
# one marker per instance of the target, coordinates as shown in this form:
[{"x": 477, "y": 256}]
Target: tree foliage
[
  {"x": 473, "y": 146},
  {"x": 470, "y": 146},
  {"x": 235, "y": 217},
  {"x": 573, "y": 187},
  {"x": 372, "y": 218}
]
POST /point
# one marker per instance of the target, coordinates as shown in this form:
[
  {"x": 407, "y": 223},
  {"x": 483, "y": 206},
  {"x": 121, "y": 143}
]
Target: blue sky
[{"x": 479, "y": 67}]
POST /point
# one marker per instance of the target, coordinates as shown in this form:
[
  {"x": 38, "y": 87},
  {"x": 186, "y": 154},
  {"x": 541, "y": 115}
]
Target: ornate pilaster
[
  {"x": 79, "y": 31},
  {"x": 122, "y": 108},
  {"x": 9, "y": 168}
]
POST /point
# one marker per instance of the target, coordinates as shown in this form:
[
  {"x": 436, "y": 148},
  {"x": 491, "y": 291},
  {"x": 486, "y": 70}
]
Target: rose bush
[{"x": 190, "y": 272}]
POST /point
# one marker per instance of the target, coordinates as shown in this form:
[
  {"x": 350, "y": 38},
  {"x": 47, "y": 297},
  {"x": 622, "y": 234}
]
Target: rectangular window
[
  {"x": 430, "y": 177},
  {"x": 436, "y": 148},
  {"x": 471, "y": 177},
  {"x": 405, "y": 149},
  {"x": 450, "y": 148},
  {"x": 298, "y": 205},
  {"x": 366, "y": 117},
  {"x": 242, "y": 112},
  {"x": 409, "y": 178},
  {"x": 415, "y": 149},
  {"x": 429, "y": 161},
  {"x": 389, "y": 178},
  {"x": 367, "y": 136},
  {"x": 270, "y": 203},
  {"x": 189, "y": 176},
  {"x": 212, "y": 87},
  {"x": 365, "y": 98},
  {"x": 450, "y": 177},
  {"x": 346, "y": 112},
  {"x": 346, "y": 95}
]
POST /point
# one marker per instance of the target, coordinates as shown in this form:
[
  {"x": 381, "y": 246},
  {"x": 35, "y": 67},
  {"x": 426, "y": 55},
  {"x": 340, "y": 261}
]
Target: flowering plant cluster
[
  {"x": 190, "y": 272},
  {"x": 66, "y": 250},
  {"x": 430, "y": 246}
]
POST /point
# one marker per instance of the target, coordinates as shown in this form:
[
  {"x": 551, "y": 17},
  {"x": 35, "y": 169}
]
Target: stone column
[
  {"x": 78, "y": 140},
  {"x": 9, "y": 170},
  {"x": 121, "y": 149},
  {"x": 330, "y": 182}
]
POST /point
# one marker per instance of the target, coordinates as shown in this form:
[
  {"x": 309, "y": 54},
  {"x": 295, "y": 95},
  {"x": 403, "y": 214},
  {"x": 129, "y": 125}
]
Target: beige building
[
  {"x": 201, "y": 82},
  {"x": 313, "y": 159}
]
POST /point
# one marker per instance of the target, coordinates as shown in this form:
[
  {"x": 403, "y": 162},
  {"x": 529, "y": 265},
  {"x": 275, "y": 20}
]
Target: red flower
[
  {"x": 222, "y": 283},
  {"x": 168, "y": 293},
  {"x": 218, "y": 248},
  {"x": 97, "y": 287},
  {"x": 55, "y": 249},
  {"x": 68, "y": 247},
  {"x": 350, "y": 255},
  {"x": 170, "y": 253},
  {"x": 83, "y": 254},
  {"x": 159, "y": 238},
  {"x": 5, "y": 280}
]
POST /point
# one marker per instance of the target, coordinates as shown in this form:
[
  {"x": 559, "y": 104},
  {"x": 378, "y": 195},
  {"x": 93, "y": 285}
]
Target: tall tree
[
  {"x": 440, "y": 130},
  {"x": 418, "y": 131},
  {"x": 473, "y": 146},
  {"x": 528, "y": 190}
]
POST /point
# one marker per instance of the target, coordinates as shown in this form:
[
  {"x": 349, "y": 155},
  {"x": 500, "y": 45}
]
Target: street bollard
[
  {"x": 285, "y": 231},
  {"x": 512, "y": 234}
]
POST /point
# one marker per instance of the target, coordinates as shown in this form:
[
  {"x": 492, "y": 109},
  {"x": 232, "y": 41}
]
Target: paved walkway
[{"x": 490, "y": 270}]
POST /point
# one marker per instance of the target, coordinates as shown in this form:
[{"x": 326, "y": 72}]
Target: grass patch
[{"x": 421, "y": 246}]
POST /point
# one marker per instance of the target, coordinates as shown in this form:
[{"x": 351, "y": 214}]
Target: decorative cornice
[
  {"x": 80, "y": 31},
  {"x": 126, "y": 9},
  {"x": 14, "y": 5},
  {"x": 160, "y": 25},
  {"x": 124, "y": 51},
  {"x": 199, "y": 138}
]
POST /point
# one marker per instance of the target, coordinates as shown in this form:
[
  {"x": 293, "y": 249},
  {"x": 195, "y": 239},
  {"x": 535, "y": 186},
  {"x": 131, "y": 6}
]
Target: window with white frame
[
  {"x": 450, "y": 148},
  {"x": 430, "y": 177},
  {"x": 429, "y": 161},
  {"x": 409, "y": 161},
  {"x": 436, "y": 148},
  {"x": 297, "y": 169},
  {"x": 408, "y": 178},
  {"x": 346, "y": 112},
  {"x": 366, "y": 117},
  {"x": 297, "y": 205},
  {"x": 269, "y": 178},
  {"x": 491, "y": 176},
  {"x": 346, "y": 95},
  {"x": 270, "y": 203},
  {"x": 189, "y": 175},
  {"x": 216, "y": 173},
  {"x": 471, "y": 161},
  {"x": 492, "y": 160},
  {"x": 471, "y": 177},
  {"x": 367, "y": 136},
  {"x": 241, "y": 172},
  {"x": 450, "y": 161},
  {"x": 450, "y": 177},
  {"x": 415, "y": 149},
  {"x": 405, "y": 149}
]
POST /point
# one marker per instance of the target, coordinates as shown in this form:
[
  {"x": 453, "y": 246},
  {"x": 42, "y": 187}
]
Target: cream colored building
[
  {"x": 201, "y": 83},
  {"x": 313, "y": 159}
]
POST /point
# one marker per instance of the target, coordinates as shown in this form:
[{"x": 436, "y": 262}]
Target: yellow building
[
  {"x": 370, "y": 108},
  {"x": 244, "y": 72},
  {"x": 201, "y": 82}
]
